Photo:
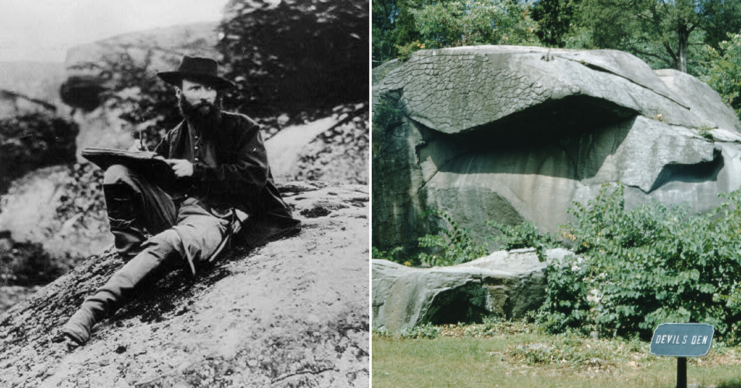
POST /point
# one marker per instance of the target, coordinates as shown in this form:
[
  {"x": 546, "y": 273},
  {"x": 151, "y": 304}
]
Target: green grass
[{"x": 481, "y": 356}]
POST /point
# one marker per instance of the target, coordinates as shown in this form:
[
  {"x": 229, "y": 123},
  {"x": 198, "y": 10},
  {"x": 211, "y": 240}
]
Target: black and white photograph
[{"x": 184, "y": 193}]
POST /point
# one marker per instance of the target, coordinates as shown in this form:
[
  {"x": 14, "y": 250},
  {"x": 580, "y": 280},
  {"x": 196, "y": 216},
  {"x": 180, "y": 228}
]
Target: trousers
[{"x": 136, "y": 209}]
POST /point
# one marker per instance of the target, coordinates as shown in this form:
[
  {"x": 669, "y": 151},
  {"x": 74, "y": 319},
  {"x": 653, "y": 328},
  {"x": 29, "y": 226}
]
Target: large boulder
[
  {"x": 507, "y": 284},
  {"x": 511, "y": 134}
]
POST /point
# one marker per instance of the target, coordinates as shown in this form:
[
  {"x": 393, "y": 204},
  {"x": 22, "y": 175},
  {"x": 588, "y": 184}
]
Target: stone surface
[
  {"x": 291, "y": 313},
  {"x": 510, "y": 134},
  {"x": 29, "y": 213},
  {"x": 702, "y": 100},
  {"x": 505, "y": 283}
]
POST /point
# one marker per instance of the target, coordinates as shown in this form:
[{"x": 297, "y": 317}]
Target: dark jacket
[{"x": 238, "y": 176}]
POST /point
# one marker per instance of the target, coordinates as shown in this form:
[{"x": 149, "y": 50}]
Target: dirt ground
[{"x": 292, "y": 313}]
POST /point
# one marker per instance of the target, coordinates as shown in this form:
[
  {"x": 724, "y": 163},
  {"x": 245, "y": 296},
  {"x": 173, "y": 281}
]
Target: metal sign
[{"x": 682, "y": 339}]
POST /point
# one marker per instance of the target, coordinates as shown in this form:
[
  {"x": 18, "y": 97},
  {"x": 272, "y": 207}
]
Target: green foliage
[
  {"x": 456, "y": 23},
  {"x": 390, "y": 255},
  {"x": 393, "y": 26},
  {"x": 705, "y": 132},
  {"x": 451, "y": 244},
  {"x": 399, "y": 24},
  {"x": 566, "y": 305},
  {"x": 386, "y": 112},
  {"x": 732, "y": 383},
  {"x": 554, "y": 19},
  {"x": 524, "y": 235},
  {"x": 426, "y": 330},
  {"x": 651, "y": 265},
  {"x": 475, "y": 22},
  {"x": 406, "y": 51},
  {"x": 724, "y": 71},
  {"x": 657, "y": 29}
]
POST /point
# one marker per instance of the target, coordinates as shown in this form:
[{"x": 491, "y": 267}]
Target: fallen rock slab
[{"x": 507, "y": 284}]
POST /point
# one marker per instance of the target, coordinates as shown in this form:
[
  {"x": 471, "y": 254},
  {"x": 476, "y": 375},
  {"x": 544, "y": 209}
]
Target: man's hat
[{"x": 199, "y": 69}]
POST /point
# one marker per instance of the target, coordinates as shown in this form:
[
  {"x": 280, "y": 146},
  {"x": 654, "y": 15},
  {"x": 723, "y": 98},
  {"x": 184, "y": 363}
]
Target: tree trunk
[{"x": 684, "y": 38}]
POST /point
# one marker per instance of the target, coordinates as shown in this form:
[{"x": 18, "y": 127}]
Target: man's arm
[
  {"x": 246, "y": 175},
  {"x": 163, "y": 148}
]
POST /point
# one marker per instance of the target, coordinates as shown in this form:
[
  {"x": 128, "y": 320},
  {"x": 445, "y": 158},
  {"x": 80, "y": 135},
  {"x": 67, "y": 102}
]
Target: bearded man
[{"x": 222, "y": 179}]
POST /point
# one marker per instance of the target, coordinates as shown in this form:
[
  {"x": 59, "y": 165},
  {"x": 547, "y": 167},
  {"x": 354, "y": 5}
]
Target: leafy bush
[
  {"x": 390, "y": 256},
  {"x": 651, "y": 265},
  {"x": 456, "y": 23},
  {"x": 722, "y": 69},
  {"x": 406, "y": 51},
  {"x": 452, "y": 244},
  {"x": 524, "y": 235},
  {"x": 426, "y": 330}
]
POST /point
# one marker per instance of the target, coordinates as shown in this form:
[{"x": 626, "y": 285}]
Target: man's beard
[{"x": 203, "y": 115}]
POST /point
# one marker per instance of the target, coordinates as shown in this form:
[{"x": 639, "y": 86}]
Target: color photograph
[{"x": 555, "y": 193}]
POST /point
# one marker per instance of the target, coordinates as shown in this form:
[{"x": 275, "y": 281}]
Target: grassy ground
[{"x": 515, "y": 354}]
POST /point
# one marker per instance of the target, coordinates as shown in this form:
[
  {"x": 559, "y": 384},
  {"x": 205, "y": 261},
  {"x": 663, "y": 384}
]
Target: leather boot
[
  {"x": 110, "y": 297},
  {"x": 127, "y": 232}
]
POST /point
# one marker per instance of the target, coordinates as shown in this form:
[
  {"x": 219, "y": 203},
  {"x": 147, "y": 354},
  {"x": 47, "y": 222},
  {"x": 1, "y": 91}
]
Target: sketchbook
[{"x": 150, "y": 165}]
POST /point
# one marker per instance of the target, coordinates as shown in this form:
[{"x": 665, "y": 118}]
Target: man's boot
[
  {"x": 127, "y": 232},
  {"x": 109, "y": 297}
]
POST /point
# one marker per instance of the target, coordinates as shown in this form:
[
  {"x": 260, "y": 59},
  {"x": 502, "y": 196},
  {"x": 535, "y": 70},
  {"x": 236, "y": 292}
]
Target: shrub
[
  {"x": 651, "y": 265},
  {"x": 390, "y": 256},
  {"x": 451, "y": 244},
  {"x": 524, "y": 235}
]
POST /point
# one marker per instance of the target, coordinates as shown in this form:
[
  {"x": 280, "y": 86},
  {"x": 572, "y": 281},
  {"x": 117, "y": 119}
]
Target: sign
[{"x": 682, "y": 339}]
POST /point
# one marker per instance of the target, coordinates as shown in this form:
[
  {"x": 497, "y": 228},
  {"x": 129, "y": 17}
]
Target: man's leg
[
  {"x": 196, "y": 237},
  {"x": 155, "y": 252},
  {"x": 135, "y": 207},
  {"x": 200, "y": 231}
]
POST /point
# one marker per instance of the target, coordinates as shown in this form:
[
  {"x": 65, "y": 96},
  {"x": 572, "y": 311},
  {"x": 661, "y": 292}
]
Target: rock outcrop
[
  {"x": 291, "y": 313},
  {"x": 30, "y": 215},
  {"x": 510, "y": 134},
  {"x": 505, "y": 284},
  {"x": 106, "y": 79}
]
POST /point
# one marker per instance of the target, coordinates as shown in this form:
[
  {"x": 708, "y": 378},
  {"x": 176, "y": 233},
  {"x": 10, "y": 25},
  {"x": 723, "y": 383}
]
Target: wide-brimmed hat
[{"x": 199, "y": 69}]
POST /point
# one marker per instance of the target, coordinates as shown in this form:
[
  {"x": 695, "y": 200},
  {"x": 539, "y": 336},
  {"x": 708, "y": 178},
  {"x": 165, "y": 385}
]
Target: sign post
[{"x": 682, "y": 340}]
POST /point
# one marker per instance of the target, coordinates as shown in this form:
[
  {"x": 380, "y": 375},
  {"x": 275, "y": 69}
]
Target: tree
[
  {"x": 724, "y": 71},
  {"x": 393, "y": 26},
  {"x": 475, "y": 22},
  {"x": 455, "y": 23},
  {"x": 295, "y": 56},
  {"x": 554, "y": 19},
  {"x": 659, "y": 29}
]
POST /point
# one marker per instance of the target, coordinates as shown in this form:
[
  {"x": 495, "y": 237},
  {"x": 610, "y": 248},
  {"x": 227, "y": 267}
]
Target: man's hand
[
  {"x": 181, "y": 167},
  {"x": 137, "y": 146}
]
